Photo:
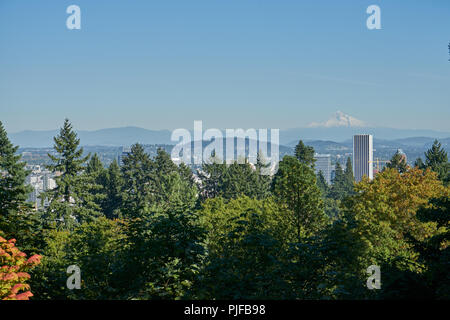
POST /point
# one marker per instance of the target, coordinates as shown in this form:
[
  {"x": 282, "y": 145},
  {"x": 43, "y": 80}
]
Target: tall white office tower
[{"x": 362, "y": 156}]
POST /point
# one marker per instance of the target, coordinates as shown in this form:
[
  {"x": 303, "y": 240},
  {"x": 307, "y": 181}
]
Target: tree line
[{"x": 150, "y": 229}]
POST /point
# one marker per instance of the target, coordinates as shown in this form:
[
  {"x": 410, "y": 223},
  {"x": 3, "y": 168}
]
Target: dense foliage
[{"x": 149, "y": 229}]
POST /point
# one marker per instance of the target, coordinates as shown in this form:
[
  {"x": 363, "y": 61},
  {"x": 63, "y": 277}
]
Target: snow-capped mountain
[
  {"x": 339, "y": 119},
  {"x": 341, "y": 127}
]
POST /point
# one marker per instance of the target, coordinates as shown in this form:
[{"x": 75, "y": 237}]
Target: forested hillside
[{"x": 146, "y": 229}]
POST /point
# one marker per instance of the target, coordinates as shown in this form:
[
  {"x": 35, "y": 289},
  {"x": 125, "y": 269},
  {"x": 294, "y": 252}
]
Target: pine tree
[
  {"x": 238, "y": 180},
  {"x": 13, "y": 191},
  {"x": 436, "y": 156},
  {"x": 163, "y": 167},
  {"x": 163, "y": 164},
  {"x": 234, "y": 180},
  {"x": 168, "y": 180},
  {"x": 397, "y": 162},
  {"x": 263, "y": 178},
  {"x": 338, "y": 189},
  {"x": 95, "y": 176},
  {"x": 349, "y": 179},
  {"x": 137, "y": 192},
  {"x": 436, "y": 159},
  {"x": 419, "y": 163},
  {"x": 322, "y": 184},
  {"x": 72, "y": 201},
  {"x": 305, "y": 154},
  {"x": 210, "y": 176},
  {"x": 94, "y": 165},
  {"x": 294, "y": 185}
]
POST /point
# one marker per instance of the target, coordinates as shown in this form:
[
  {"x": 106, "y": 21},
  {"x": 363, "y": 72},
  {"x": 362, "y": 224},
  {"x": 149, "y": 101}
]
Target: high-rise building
[
  {"x": 48, "y": 182},
  {"x": 362, "y": 156},
  {"x": 323, "y": 163},
  {"x": 125, "y": 152}
]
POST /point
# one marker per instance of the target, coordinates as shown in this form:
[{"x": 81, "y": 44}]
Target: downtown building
[
  {"x": 125, "y": 153},
  {"x": 362, "y": 156},
  {"x": 40, "y": 180},
  {"x": 323, "y": 163}
]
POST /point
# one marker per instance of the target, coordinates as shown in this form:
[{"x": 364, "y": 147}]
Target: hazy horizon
[{"x": 189, "y": 126}]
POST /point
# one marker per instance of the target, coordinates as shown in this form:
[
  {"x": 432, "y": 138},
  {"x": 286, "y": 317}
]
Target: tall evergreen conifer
[
  {"x": 305, "y": 154},
  {"x": 73, "y": 199},
  {"x": 13, "y": 191}
]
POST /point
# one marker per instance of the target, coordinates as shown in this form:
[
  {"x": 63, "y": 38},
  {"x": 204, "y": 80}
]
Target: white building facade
[{"x": 362, "y": 156}]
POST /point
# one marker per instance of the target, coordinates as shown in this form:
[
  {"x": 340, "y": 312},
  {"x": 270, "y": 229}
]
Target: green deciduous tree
[
  {"x": 218, "y": 216},
  {"x": 165, "y": 253},
  {"x": 248, "y": 265},
  {"x": 98, "y": 248},
  {"x": 211, "y": 175},
  {"x": 49, "y": 278},
  {"x": 384, "y": 211}
]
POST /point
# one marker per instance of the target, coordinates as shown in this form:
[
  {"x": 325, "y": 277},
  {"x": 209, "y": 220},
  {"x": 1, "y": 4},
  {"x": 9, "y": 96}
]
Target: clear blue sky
[{"x": 231, "y": 63}]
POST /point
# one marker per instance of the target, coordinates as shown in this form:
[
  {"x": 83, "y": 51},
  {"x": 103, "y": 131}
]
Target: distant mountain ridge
[
  {"x": 124, "y": 136},
  {"x": 127, "y": 136}
]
